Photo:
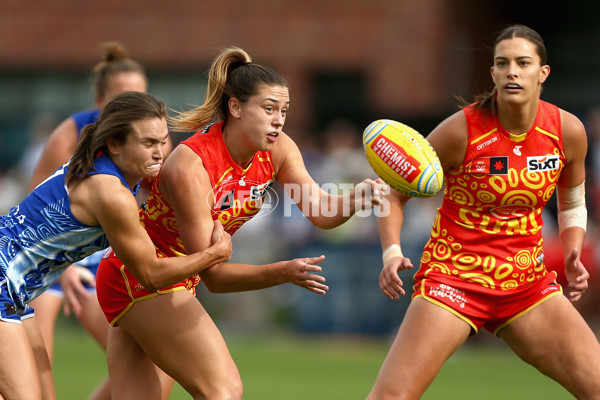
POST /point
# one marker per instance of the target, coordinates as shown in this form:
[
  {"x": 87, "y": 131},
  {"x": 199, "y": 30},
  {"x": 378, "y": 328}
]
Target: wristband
[{"x": 391, "y": 252}]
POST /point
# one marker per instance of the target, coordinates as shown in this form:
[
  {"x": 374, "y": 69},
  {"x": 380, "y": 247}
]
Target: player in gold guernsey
[
  {"x": 483, "y": 267},
  {"x": 222, "y": 173}
]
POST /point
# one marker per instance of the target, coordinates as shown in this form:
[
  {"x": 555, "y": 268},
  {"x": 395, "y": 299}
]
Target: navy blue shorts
[{"x": 9, "y": 312}]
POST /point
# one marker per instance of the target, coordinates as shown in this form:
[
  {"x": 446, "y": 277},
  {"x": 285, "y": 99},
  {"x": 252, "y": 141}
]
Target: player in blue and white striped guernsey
[
  {"x": 75, "y": 292},
  {"x": 75, "y": 212}
]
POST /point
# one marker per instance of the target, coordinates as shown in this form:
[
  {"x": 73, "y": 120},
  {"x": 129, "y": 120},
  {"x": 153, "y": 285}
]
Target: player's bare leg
[
  {"x": 47, "y": 307},
  {"x": 198, "y": 359},
  {"x": 566, "y": 351},
  {"x": 428, "y": 336}
]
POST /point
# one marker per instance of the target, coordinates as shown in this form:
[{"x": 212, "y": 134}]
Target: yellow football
[{"x": 403, "y": 158}]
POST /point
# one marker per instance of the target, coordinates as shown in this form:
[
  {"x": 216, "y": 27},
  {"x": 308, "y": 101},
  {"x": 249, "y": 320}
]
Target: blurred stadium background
[{"x": 348, "y": 62}]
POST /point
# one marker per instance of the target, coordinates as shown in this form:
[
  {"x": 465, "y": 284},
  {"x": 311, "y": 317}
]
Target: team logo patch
[
  {"x": 543, "y": 163},
  {"x": 489, "y": 165}
]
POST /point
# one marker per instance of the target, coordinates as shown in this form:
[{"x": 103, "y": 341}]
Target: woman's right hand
[{"x": 221, "y": 242}]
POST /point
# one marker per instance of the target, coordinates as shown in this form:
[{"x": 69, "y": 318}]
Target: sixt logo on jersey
[{"x": 542, "y": 163}]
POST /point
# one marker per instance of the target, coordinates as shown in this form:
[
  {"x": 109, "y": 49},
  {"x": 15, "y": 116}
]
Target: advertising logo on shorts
[{"x": 396, "y": 158}]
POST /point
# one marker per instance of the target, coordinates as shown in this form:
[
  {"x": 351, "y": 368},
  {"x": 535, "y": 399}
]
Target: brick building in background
[{"x": 359, "y": 59}]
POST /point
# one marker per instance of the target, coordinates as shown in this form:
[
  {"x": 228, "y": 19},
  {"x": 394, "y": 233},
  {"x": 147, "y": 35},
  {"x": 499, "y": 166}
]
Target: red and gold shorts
[
  {"x": 118, "y": 290},
  {"x": 479, "y": 306}
]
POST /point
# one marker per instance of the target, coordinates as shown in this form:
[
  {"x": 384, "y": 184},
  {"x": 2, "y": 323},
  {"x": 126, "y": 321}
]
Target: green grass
[
  {"x": 79, "y": 362},
  {"x": 292, "y": 367},
  {"x": 496, "y": 373}
]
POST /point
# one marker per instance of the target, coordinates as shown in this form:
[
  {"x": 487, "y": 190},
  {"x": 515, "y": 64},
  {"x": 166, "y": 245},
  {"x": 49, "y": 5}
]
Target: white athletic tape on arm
[
  {"x": 571, "y": 207},
  {"x": 391, "y": 252}
]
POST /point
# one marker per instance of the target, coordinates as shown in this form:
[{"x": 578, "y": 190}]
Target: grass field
[{"x": 291, "y": 367}]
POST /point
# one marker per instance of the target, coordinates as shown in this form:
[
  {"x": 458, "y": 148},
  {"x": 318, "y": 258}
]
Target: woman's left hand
[{"x": 576, "y": 275}]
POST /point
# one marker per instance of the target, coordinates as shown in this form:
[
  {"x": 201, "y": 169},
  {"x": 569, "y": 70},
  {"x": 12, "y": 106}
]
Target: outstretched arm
[
  {"x": 325, "y": 210},
  {"x": 230, "y": 277}
]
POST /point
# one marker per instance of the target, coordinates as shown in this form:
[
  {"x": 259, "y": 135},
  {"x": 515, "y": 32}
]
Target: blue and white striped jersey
[{"x": 40, "y": 237}]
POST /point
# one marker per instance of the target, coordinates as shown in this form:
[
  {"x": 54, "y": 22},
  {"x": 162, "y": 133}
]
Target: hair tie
[{"x": 237, "y": 64}]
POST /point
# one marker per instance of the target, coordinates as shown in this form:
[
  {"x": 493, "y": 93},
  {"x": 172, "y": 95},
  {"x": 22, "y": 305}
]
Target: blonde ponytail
[{"x": 231, "y": 75}]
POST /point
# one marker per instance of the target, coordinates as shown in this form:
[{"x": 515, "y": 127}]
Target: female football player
[
  {"x": 483, "y": 266},
  {"x": 221, "y": 173}
]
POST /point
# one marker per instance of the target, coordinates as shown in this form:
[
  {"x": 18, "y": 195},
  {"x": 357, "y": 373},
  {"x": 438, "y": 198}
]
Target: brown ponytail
[
  {"x": 231, "y": 75},
  {"x": 115, "y": 61}
]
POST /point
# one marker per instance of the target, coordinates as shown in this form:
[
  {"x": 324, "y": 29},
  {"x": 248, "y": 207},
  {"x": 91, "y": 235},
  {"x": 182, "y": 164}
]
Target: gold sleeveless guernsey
[{"x": 489, "y": 228}]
